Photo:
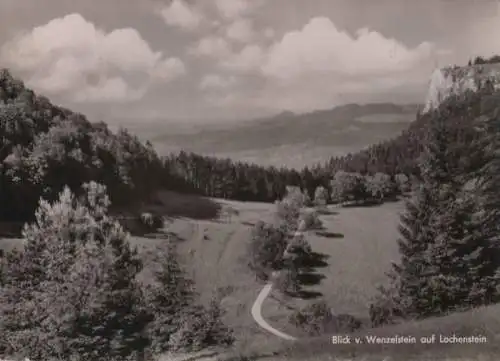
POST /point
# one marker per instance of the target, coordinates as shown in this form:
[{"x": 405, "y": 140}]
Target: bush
[
  {"x": 289, "y": 208},
  {"x": 321, "y": 198},
  {"x": 265, "y": 249},
  {"x": 386, "y": 307},
  {"x": 287, "y": 282},
  {"x": 199, "y": 328},
  {"x": 150, "y": 221},
  {"x": 310, "y": 220},
  {"x": 317, "y": 319}
]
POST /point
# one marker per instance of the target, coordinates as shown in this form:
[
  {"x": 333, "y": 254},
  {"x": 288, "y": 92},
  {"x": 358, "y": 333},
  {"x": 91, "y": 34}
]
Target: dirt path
[{"x": 257, "y": 314}]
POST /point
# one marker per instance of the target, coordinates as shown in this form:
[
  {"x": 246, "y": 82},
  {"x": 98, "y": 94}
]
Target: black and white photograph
[{"x": 249, "y": 180}]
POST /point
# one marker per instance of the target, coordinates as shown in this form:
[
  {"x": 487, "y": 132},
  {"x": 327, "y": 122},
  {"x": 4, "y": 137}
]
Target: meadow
[{"x": 359, "y": 244}]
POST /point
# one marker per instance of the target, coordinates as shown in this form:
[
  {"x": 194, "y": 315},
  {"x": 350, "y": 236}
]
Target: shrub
[
  {"x": 151, "y": 221},
  {"x": 287, "y": 282},
  {"x": 201, "y": 327},
  {"x": 321, "y": 198},
  {"x": 289, "y": 208},
  {"x": 265, "y": 249},
  {"x": 317, "y": 319},
  {"x": 311, "y": 220},
  {"x": 386, "y": 308}
]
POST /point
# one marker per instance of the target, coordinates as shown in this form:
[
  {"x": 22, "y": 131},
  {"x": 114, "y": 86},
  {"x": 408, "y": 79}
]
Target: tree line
[
  {"x": 224, "y": 178},
  {"x": 479, "y": 60}
]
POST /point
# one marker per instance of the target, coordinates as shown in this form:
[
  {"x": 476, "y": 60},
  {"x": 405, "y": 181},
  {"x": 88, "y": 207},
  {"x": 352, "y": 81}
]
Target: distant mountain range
[{"x": 287, "y": 138}]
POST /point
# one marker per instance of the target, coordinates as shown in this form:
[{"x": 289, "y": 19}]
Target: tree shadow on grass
[
  {"x": 178, "y": 205},
  {"x": 314, "y": 260},
  {"x": 308, "y": 295},
  {"x": 327, "y": 212},
  {"x": 327, "y": 234},
  {"x": 310, "y": 278}
]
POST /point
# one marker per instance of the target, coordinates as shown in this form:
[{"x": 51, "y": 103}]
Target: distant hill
[{"x": 287, "y": 138}]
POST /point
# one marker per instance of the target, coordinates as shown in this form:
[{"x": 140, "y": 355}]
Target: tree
[
  {"x": 380, "y": 186},
  {"x": 443, "y": 247},
  {"x": 167, "y": 296},
  {"x": 347, "y": 187},
  {"x": 288, "y": 210},
  {"x": 321, "y": 198},
  {"x": 179, "y": 322},
  {"x": 309, "y": 219},
  {"x": 73, "y": 290},
  {"x": 403, "y": 183},
  {"x": 265, "y": 249}
]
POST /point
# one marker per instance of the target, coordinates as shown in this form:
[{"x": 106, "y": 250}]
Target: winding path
[
  {"x": 257, "y": 314},
  {"x": 257, "y": 305}
]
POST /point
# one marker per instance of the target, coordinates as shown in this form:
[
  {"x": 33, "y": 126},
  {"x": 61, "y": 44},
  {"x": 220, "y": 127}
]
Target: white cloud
[
  {"x": 216, "y": 81},
  {"x": 240, "y": 30},
  {"x": 249, "y": 58},
  {"x": 180, "y": 14},
  {"x": 319, "y": 66},
  {"x": 70, "y": 57},
  {"x": 168, "y": 69},
  {"x": 321, "y": 48},
  {"x": 212, "y": 46}
]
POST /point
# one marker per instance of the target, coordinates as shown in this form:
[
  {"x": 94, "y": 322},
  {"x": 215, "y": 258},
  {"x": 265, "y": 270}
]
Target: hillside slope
[{"x": 483, "y": 323}]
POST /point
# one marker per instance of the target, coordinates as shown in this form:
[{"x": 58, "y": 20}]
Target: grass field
[{"x": 359, "y": 244}]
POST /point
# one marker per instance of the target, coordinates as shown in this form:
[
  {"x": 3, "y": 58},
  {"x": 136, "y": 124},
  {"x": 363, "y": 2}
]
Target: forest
[{"x": 45, "y": 147}]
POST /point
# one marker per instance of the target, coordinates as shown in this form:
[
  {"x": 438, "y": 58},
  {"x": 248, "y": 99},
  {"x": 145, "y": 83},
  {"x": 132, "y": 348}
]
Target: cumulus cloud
[
  {"x": 216, "y": 82},
  {"x": 248, "y": 59},
  {"x": 212, "y": 46},
  {"x": 71, "y": 57},
  {"x": 180, "y": 14},
  {"x": 322, "y": 48},
  {"x": 240, "y": 30},
  {"x": 320, "y": 66}
]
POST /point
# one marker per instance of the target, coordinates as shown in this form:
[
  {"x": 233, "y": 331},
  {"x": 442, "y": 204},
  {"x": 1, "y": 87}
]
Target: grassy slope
[
  {"x": 360, "y": 250},
  {"x": 357, "y": 262}
]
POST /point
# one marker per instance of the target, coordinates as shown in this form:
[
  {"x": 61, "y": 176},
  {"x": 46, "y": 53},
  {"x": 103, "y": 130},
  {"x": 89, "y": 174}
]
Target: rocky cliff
[{"x": 456, "y": 80}]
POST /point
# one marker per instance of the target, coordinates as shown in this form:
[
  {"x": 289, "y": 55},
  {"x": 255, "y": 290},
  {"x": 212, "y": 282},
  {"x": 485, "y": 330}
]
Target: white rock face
[{"x": 456, "y": 80}]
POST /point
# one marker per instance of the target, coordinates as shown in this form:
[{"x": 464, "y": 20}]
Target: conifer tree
[
  {"x": 439, "y": 234},
  {"x": 73, "y": 290},
  {"x": 170, "y": 292}
]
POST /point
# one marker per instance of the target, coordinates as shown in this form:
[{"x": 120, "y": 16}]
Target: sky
[{"x": 237, "y": 59}]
